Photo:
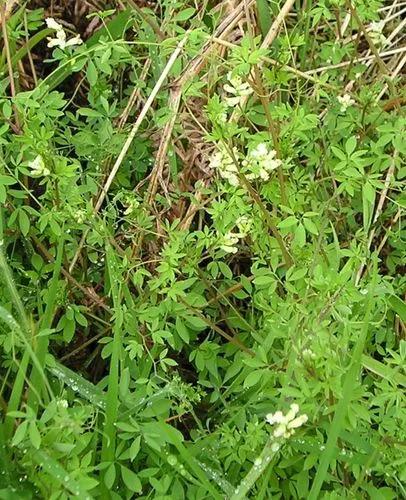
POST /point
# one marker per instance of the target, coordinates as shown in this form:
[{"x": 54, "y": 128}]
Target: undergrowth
[{"x": 201, "y": 244}]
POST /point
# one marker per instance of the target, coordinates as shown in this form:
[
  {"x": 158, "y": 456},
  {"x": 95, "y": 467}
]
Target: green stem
[
  {"x": 41, "y": 348},
  {"x": 112, "y": 399},
  {"x": 260, "y": 464},
  {"x": 255, "y": 196},
  {"x": 9, "y": 282},
  {"x": 273, "y": 130}
]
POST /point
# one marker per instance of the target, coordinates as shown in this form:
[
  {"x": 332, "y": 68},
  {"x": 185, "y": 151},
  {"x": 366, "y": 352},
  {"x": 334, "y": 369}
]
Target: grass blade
[
  {"x": 59, "y": 474},
  {"x": 337, "y": 423},
  {"x": 112, "y": 398},
  {"x": 46, "y": 322},
  {"x": 77, "y": 383},
  {"x": 264, "y": 16}
]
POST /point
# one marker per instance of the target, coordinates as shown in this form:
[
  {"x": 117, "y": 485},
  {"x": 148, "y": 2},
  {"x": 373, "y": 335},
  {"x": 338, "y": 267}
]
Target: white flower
[
  {"x": 244, "y": 225},
  {"x": 308, "y": 353},
  {"x": 52, "y": 24},
  {"x": 60, "y": 37},
  {"x": 298, "y": 422},
  {"x": 225, "y": 164},
  {"x": 375, "y": 32},
  {"x": 346, "y": 101},
  {"x": 38, "y": 168},
  {"x": 294, "y": 410},
  {"x": 285, "y": 425},
  {"x": 260, "y": 162},
  {"x": 237, "y": 88},
  {"x": 132, "y": 205},
  {"x": 275, "y": 418},
  {"x": 229, "y": 241},
  {"x": 79, "y": 216}
]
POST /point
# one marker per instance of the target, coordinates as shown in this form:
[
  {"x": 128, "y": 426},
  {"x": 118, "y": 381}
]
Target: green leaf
[
  {"x": 90, "y": 113},
  {"x": 24, "y": 222},
  {"x": 288, "y": 222},
  {"x": 264, "y": 16},
  {"x": 184, "y": 15},
  {"x": 182, "y": 330},
  {"x": 310, "y": 226},
  {"x": 20, "y": 433},
  {"x": 7, "y": 180},
  {"x": 350, "y": 145},
  {"x": 264, "y": 280},
  {"x": 253, "y": 378},
  {"x": 398, "y": 305},
  {"x": 383, "y": 370},
  {"x": 91, "y": 73},
  {"x": 69, "y": 330},
  {"x": 131, "y": 479},
  {"x": 196, "y": 322},
  {"x": 300, "y": 235},
  {"x": 338, "y": 153},
  {"x": 135, "y": 447},
  {"x": 110, "y": 476},
  {"x": 3, "y": 194},
  {"x": 296, "y": 274},
  {"x": 35, "y": 436},
  {"x": 79, "y": 384}
]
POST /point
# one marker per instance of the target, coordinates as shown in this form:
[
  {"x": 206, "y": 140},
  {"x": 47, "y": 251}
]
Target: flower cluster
[
  {"x": 346, "y": 101},
  {"x": 237, "y": 90},
  {"x": 38, "y": 168},
  {"x": 60, "y": 38},
  {"x": 308, "y": 354},
  {"x": 62, "y": 403},
  {"x": 226, "y": 165},
  {"x": 285, "y": 425},
  {"x": 132, "y": 205},
  {"x": 230, "y": 240},
  {"x": 375, "y": 32},
  {"x": 260, "y": 162},
  {"x": 244, "y": 225},
  {"x": 80, "y": 216}
]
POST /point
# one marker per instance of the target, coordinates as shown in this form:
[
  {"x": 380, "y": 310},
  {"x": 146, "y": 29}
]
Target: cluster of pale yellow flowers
[
  {"x": 285, "y": 425},
  {"x": 60, "y": 35},
  {"x": 257, "y": 165},
  {"x": 231, "y": 239}
]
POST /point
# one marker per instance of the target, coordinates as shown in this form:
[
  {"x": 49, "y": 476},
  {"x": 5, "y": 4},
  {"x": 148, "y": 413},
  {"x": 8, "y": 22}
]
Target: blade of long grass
[
  {"x": 46, "y": 323},
  {"x": 352, "y": 374},
  {"x": 398, "y": 305},
  {"x": 189, "y": 459},
  {"x": 307, "y": 38},
  {"x": 12, "y": 289},
  {"x": 16, "y": 394},
  {"x": 112, "y": 398},
  {"x": 23, "y": 328},
  {"x": 383, "y": 370},
  {"x": 264, "y": 16},
  {"x": 20, "y": 379},
  {"x": 59, "y": 474},
  {"x": 78, "y": 384},
  {"x": 32, "y": 42}
]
